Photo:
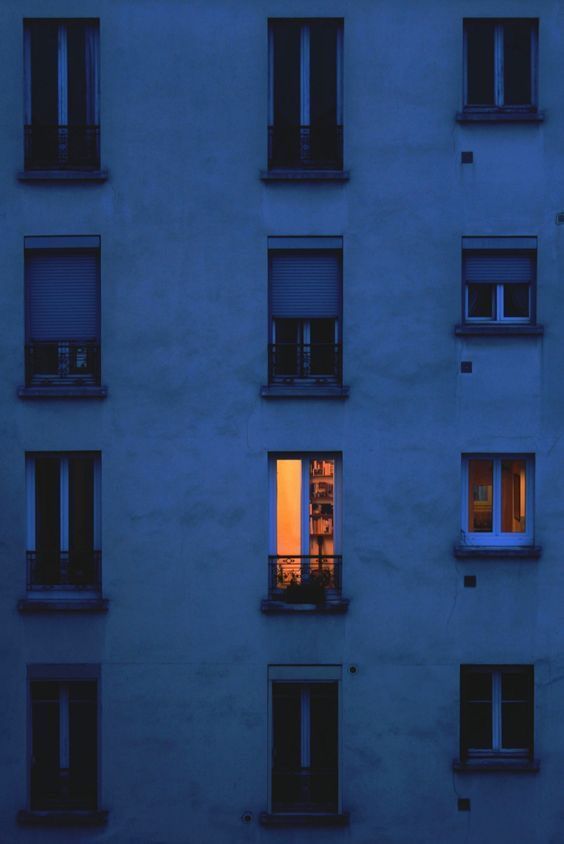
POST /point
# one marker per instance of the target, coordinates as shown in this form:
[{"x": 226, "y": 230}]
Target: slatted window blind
[
  {"x": 305, "y": 283},
  {"x": 499, "y": 267},
  {"x": 62, "y": 294}
]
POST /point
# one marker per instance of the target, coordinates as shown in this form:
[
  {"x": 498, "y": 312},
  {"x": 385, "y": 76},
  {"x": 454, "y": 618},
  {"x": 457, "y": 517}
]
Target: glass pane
[
  {"x": 286, "y": 744},
  {"x": 478, "y": 726},
  {"x": 516, "y": 300},
  {"x": 517, "y": 63},
  {"x": 45, "y": 745},
  {"x": 286, "y": 36},
  {"x": 287, "y": 337},
  {"x": 481, "y": 301},
  {"x": 322, "y": 349},
  {"x": 513, "y": 496},
  {"x": 321, "y": 505},
  {"x": 81, "y": 518},
  {"x": 478, "y": 686},
  {"x": 515, "y": 686},
  {"x": 480, "y": 496},
  {"x": 83, "y": 745},
  {"x": 76, "y": 69},
  {"x": 480, "y": 62},
  {"x": 288, "y": 506},
  {"x": 44, "y": 72},
  {"x": 323, "y": 73},
  {"x": 324, "y": 744},
  {"x": 515, "y": 725},
  {"x": 47, "y": 519}
]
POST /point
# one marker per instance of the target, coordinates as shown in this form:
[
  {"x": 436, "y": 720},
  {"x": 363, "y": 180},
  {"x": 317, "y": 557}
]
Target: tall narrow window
[
  {"x": 305, "y": 311},
  {"x": 496, "y": 714},
  {"x": 62, "y": 281},
  {"x": 498, "y": 500},
  {"x": 499, "y": 280},
  {"x": 306, "y": 124},
  {"x": 61, "y": 94},
  {"x": 64, "y": 739},
  {"x": 63, "y": 521},
  {"x": 305, "y": 566},
  {"x": 500, "y": 64}
]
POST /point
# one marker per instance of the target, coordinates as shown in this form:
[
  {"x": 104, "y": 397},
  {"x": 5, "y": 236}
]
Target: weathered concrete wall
[{"x": 184, "y": 435}]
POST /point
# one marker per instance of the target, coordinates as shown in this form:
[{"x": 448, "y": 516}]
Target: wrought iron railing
[
  {"x": 304, "y": 790},
  {"x": 315, "y": 361},
  {"x": 76, "y": 569},
  {"x": 316, "y": 147},
  {"x": 304, "y": 579},
  {"x": 62, "y": 147},
  {"x": 62, "y": 362}
]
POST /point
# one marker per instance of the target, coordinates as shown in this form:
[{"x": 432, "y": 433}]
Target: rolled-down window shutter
[
  {"x": 305, "y": 284},
  {"x": 498, "y": 267},
  {"x": 62, "y": 294}
]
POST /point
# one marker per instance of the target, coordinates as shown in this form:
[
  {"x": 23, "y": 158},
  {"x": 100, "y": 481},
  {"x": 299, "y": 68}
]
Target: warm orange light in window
[{"x": 288, "y": 506}]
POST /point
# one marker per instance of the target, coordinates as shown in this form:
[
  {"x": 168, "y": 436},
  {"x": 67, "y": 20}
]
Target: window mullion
[
  {"x": 62, "y": 74},
  {"x": 304, "y": 75},
  {"x": 496, "y": 711},
  {"x": 497, "y": 496},
  {"x": 64, "y": 503},
  {"x": 498, "y": 64},
  {"x": 499, "y": 309}
]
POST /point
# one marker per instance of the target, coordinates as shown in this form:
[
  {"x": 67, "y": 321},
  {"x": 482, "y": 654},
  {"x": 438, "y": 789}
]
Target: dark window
[
  {"x": 496, "y": 712},
  {"x": 305, "y": 747},
  {"x": 500, "y": 64},
  {"x": 499, "y": 285},
  {"x": 63, "y": 533},
  {"x": 64, "y": 739},
  {"x": 305, "y": 313},
  {"x": 62, "y": 315},
  {"x": 305, "y": 95},
  {"x": 62, "y": 125}
]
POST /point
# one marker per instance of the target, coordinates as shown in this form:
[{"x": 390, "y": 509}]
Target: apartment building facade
[{"x": 281, "y": 355}]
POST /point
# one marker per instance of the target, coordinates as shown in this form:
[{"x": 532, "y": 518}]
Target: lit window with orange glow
[
  {"x": 497, "y": 506},
  {"x": 304, "y": 536}
]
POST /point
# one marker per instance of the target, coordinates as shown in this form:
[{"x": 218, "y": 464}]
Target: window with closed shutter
[{"x": 499, "y": 285}]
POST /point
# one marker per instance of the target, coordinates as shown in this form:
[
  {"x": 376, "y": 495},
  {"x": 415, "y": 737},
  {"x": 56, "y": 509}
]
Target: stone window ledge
[
  {"x": 273, "y": 607},
  {"x": 304, "y": 391},
  {"x": 299, "y": 819},
  {"x": 304, "y": 175},
  {"x": 518, "y": 766},
  {"x": 67, "y": 392},
  {"x": 500, "y": 552},
  {"x": 62, "y": 818},
  {"x": 499, "y": 330},
  {"x": 499, "y": 116},
  {"x": 47, "y": 605},
  {"x": 63, "y": 175}
]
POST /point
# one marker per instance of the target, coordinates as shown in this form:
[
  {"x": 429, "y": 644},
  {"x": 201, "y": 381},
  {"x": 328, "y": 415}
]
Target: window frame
[
  {"x": 305, "y": 675},
  {"x": 63, "y": 674},
  {"x": 59, "y": 244},
  {"x": 497, "y": 537},
  {"x": 92, "y": 90},
  {"x": 499, "y": 106},
  {"x": 477, "y": 756},
  {"x": 66, "y": 590}
]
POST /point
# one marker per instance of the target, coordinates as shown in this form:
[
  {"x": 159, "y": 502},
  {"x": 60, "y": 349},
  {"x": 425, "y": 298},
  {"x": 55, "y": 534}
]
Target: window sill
[
  {"x": 271, "y": 606},
  {"x": 47, "y": 605},
  {"x": 499, "y": 116},
  {"x": 63, "y": 175},
  {"x": 304, "y": 175},
  {"x": 492, "y": 329},
  {"x": 500, "y": 552},
  {"x": 304, "y": 391},
  {"x": 521, "y": 766},
  {"x": 62, "y": 392},
  {"x": 298, "y": 819},
  {"x": 62, "y": 818}
]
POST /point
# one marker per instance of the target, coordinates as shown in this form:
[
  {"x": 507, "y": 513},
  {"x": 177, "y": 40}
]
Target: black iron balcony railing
[
  {"x": 304, "y": 579},
  {"x": 315, "y": 147},
  {"x": 61, "y": 788},
  {"x": 62, "y": 147},
  {"x": 304, "y": 790},
  {"x": 62, "y": 362},
  {"x": 320, "y": 362},
  {"x": 76, "y": 569}
]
